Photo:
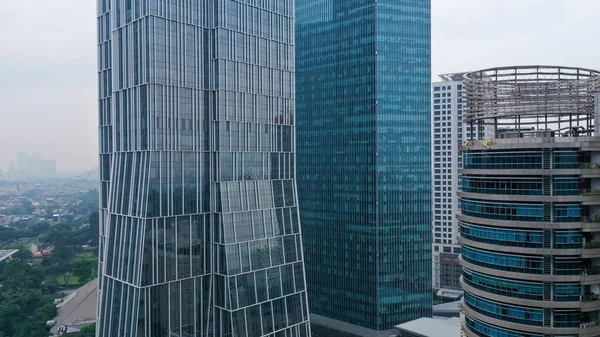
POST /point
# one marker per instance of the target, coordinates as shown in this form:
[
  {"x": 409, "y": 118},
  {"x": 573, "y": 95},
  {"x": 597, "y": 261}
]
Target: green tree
[
  {"x": 22, "y": 254},
  {"x": 64, "y": 269},
  {"x": 25, "y": 313},
  {"x": 39, "y": 227},
  {"x": 66, "y": 234},
  {"x": 64, "y": 253},
  {"x": 19, "y": 275},
  {"x": 26, "y": 206},
  {"x": 25, "y": 304},
  {"x": 28, "y": 299},
  {"x": 83, "y": 270}
]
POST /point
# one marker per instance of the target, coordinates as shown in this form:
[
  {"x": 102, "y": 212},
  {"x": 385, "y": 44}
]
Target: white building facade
[{"x": 447, "y": 141}]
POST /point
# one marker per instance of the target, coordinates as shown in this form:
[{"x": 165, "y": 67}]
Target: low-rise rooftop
[
  {"x": 5, "y": 254},
  {"x": 450, "y": 309},
  {"x": 78, "y": 309},
  {"x": 431, "y": 327},
  {"x": 325, "y": 326}
]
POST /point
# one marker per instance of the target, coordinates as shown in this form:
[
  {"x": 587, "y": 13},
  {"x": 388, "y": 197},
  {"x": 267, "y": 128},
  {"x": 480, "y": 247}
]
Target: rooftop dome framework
[{"x": 545, "y": 101}]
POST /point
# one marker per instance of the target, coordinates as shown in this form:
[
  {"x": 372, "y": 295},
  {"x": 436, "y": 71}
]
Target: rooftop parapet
[{"x": 532, "y": 101}]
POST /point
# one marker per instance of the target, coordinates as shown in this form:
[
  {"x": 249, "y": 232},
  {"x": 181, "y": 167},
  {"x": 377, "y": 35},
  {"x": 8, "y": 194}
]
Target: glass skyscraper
[
  {"x": 200, "y": 232},
  {"x": 363, "y": 105}
]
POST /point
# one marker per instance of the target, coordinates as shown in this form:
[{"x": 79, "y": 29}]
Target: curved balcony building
[{"x": 529, "y": 223}]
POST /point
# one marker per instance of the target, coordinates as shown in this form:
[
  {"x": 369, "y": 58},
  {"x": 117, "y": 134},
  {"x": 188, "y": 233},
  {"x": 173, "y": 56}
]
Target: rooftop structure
[
  {"x": 6, "y": 254},
  {"x": 78, "y": 309},
  {"x": 528, "y": 101},
  {"x": 449, "y": 309},
  {"x": 453, "y": 77},
  {"x": 322, "y": 326},
  {"x": 430, "y": 327}
]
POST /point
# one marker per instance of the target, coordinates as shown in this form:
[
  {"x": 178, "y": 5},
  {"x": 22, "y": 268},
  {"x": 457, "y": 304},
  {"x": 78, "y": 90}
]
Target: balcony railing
[
  {"x": 592, "y": 271},
  {"x": 590, "y": 297},
  {"x": 592, "y": 245},
  {"x": 590, "y": 219},
  {"x": 587, "y": 325}
]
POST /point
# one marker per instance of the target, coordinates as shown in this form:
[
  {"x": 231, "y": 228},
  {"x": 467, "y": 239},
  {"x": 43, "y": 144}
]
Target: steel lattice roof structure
[{"x": 538, "y": 97}]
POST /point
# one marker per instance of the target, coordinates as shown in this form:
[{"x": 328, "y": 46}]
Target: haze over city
[
  {"x": 48, "y": 70},
  {"x": 299, "y": 168}
]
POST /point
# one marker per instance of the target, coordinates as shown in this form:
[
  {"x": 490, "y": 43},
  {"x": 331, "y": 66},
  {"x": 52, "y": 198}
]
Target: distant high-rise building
[
  {"x": 446, "y": 140},
  {"x": 200, "y": 233},
  {"x": 364, "y": 161},
  {"x": 12, "y": 171},
  {"x": 447, "y": 136},
  {"x": 530, "y": 203},
  {"x": 91, "y": 174},
  {"x": 47, "y": 168},
  {"x": 23, "y": 164},
  {"x": 34, "y": 167}
]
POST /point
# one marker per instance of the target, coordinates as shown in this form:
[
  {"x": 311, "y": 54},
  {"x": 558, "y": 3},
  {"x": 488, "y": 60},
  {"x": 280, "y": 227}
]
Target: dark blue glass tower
[{"x": 362, "y": 87}]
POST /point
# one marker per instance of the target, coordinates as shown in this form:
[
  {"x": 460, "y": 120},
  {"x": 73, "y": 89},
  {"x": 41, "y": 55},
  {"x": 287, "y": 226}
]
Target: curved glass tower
[
  {"x": 530, "y": 204},
  {"x": 200, "y": 232}
]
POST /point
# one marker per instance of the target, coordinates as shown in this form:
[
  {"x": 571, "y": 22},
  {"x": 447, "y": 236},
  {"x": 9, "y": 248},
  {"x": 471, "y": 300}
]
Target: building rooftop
[
  {"x": 450, "y": 293},
  {"x": 78, "y": 309},
  {"x": 558, "y": 101},
  {"x": 450, "y": 309},
  {"x": 450, "y": 306},
  {"x": 455, "y": 77},
  {"x": 5, "y": 254},
  {"x": 432, "y": 327},
  {"x": 346, "y": 329}
]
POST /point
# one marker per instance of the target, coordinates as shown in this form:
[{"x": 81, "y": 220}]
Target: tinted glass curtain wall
[
  {"x": 363, "y": 89},
  {"x": 200, "y": 232}
]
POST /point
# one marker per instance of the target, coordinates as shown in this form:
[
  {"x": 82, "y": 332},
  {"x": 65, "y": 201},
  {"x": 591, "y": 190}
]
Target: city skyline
[
  {"x": 26, "y": 165},
  {"x": 269, "y": 168},
  {"x": 48, "y": 103}
]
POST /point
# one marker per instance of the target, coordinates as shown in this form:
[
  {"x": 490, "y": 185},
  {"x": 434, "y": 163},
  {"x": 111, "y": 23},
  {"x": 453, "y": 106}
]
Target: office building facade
[
  {"x": 530, "y": 203},
  {"x": 447, "y": 137},
  {"x": 364, "y": 168},
  {"x": 199, "y": 224}
]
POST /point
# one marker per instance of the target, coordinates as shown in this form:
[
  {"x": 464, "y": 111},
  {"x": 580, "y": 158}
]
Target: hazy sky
[{"x": 48, "y": 61}]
